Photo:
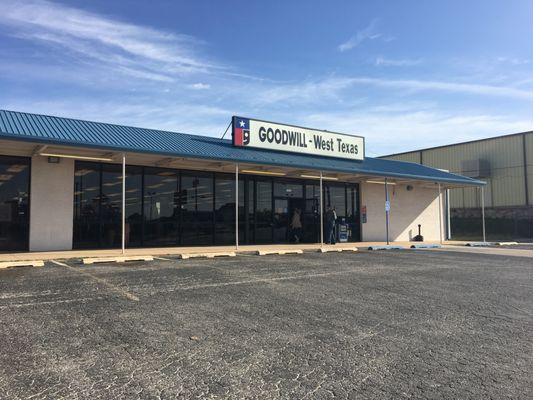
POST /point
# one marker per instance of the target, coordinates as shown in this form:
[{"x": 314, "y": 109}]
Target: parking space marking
[
  {"x": 41, "y": 303},
  {"x": 110, "y": 286},
  {"x": 261, "y": 280}
]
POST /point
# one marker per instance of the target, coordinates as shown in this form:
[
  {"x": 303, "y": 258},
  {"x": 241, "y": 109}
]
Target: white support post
[
  {"x": 123, "y": 203},
  {"x": 321, "y": 212},
  {"x": 237, "y": 206},
  {"x": 483, "y": 213},
  {"x": 387, "y": 206},
  {"x": 448, "y": 216},
  {"x": 440, "y": 215}
]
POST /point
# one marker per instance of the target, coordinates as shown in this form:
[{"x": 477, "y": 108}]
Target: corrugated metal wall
[
  {"x": 506, "y": 185},
  {"x": 410, "y": 157},
  {"x": 529, "y": 161}
]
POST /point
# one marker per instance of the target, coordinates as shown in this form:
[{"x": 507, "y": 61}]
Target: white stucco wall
[
  {"x": 408, "y": 209},
  {"x": 51, "y": 204}
]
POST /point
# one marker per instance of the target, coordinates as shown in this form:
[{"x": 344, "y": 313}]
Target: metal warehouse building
[
  {"x": 71, "y": 184},
  {"x": 506, "y": 164}
]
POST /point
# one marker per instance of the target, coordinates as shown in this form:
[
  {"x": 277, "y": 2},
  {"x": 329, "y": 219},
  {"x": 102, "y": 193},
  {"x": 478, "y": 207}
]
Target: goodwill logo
[{"x": 273, "y": 136}]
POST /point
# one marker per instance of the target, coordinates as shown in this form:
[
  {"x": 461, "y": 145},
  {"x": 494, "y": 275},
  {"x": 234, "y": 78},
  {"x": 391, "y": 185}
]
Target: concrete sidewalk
[
  {"x": 162, "y": 251},
  {"x": 516, "y": 251}
]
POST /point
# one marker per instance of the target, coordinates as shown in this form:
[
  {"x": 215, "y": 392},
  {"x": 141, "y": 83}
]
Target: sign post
[
  {"x": 296, "y": 139},
  {"x": 387, "y": 210},
  {"x": 321, "y": 216},
  {"x": 440, "y": 215},
  {"x": 237, "y": 206},
  {"x": 483, "y": 213},
  {"x": 123, "y": 203}
]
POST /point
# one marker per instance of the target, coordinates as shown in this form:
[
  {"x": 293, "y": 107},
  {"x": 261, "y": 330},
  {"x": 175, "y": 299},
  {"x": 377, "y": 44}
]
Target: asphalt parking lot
[{"x": 395, "y": 324}]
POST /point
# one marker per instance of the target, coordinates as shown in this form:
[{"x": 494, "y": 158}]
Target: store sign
[{"x": 272, "y": 136}]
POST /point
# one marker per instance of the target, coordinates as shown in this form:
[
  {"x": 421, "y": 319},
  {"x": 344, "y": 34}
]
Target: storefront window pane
[
  {"x": 335, "y": 197},
  {"x": 249, "y": 216},
  {"x": 14, "y": 213},
  {"x": 224, "y": 209},
  {"x": 161, "y": 212},
  {"x": 263, "y": 214},
  {"x": 311, "y": 214},
  {"x": 86, "y": 205},
  {"x": 287, "y": 189},
  {"x": 111, "y": 205},
  {"x": 197, "y": 208},
  {"x": 133, "y": 233},
  {"x": 352, "y": 217}
]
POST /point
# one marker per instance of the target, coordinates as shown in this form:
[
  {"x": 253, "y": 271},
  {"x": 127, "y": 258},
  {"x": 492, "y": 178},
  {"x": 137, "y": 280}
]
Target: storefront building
[{"x": 62, "y": 187}]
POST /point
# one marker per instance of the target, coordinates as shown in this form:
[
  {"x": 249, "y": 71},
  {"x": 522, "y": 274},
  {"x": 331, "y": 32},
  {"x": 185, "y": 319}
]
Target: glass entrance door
[{"x": 14, "y": 205}]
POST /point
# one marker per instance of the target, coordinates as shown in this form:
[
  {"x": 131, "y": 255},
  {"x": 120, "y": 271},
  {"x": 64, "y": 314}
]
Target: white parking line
[{"x": 114, "y": 288}]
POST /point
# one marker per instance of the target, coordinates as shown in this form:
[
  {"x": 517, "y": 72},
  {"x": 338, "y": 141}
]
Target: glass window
[
  {"x": 14, "y": 205},
  {"x": 111, "y": 206},
  {"x": 263, "y": 211},
  {"x": 311, "y": 214},
  {"x": 98, "y": 205},
  {"x": 249, "y": 219},
  {"x": 196, "y": 208},
  {"x": 161, "y": 209},
  {"x": 335, "y": 197},
  {"x": 352, "y": 216},
  {"x": 224, "y": 209},
  {"x": 134, "y": 223},
  {"x": 287, "y": 189},
  {"x": 86, "y": 205}
]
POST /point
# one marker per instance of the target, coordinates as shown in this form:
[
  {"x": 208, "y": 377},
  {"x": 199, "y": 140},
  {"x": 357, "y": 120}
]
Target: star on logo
[{"x": 241, "y": 123}]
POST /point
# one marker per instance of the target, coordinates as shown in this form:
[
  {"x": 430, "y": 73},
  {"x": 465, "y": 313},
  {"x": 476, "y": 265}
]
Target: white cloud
[
  {"x": 304, "y": 92},
  {"x": 330, "y": 89},
  {"x": 387, "y": 133},
  {"x": 368, "y": 33},
  {"x": 200, "y": 86},
  {"x": 387, "y": 62},
  {"x": 468, "y": 88},
  {"x": 136, "y": 50},
  {"x": 146, "y": 112},
  {"x": 513, "y": 60}
]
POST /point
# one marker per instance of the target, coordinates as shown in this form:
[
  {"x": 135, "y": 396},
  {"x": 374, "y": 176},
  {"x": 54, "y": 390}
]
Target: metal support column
[
  {"x": 440, "y": 215},
  {"x": 237, "y": 206},
  {"x": 321, "y": 212},
  {"x": 483, "y": 213},
  {"x": 387, "y": 209},
  {"x": 123, "y": 203},
  {"x": 448, "y": 216}
]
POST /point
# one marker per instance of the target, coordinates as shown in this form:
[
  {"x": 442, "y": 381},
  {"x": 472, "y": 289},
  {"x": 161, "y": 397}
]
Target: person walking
[
  {"x": 331, "y": 219},
  {"x": 296, "y": 225}
]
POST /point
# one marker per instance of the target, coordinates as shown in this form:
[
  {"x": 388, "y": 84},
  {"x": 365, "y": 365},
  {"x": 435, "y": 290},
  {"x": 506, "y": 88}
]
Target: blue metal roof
[{"x": 44, "y": 129}]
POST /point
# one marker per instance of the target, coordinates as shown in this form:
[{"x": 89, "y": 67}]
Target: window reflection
[
  {"x": 224, "y": 209},
  {"x": 196, "y": 208},
  {"x": 263, "y": 211},
  {"x": 87, "y": 205},
  {"x": 161, "y": 210},
  {"x": 14, "y": 207},
  {"x": 166, "y": 207}
]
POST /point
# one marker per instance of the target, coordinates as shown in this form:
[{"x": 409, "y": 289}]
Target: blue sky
[{"x": 404, "y": 74}]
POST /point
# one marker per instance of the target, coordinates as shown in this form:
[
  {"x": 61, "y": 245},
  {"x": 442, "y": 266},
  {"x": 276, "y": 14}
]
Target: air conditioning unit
[{"x": 478, "y": 168}]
